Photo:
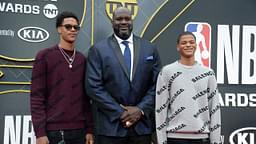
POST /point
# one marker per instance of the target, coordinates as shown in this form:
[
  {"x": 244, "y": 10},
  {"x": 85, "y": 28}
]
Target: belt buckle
[{"x": 62, "y": 138}]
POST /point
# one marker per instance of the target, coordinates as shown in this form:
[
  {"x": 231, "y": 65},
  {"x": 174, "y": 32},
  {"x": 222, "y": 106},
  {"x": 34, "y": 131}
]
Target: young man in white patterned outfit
[{"x": 187, "y": 101}]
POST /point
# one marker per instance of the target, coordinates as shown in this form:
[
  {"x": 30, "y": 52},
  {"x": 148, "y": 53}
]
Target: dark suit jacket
[{"x": 108, "y": 84}]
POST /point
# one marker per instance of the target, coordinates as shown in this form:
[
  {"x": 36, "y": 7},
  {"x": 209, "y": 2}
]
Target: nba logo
[{"x": 202, "y": 32}]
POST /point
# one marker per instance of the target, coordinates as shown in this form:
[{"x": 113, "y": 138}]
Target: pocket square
[{"x": 150, "y": 58}]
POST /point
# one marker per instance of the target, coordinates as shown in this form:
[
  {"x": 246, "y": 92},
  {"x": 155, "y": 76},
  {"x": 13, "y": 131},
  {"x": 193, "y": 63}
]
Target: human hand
[
  {"x": 130, "y": 116},
  {"x": 42, "y": 140},
  {"x": 89, "y": 138}
]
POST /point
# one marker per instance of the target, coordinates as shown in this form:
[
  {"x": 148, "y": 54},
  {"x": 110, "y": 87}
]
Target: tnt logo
[
  {"x": 202, "y": 31},
  {"x": 243, "y": 136},
  {"x": 50, "y": 11},
  {"x": 132, "y": 5}
]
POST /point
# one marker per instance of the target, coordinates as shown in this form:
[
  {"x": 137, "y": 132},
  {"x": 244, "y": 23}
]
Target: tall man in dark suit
[{"x": 121, "y": 77}]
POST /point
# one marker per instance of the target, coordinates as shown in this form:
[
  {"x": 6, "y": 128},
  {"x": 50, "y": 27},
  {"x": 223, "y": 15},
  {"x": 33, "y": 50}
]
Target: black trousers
[
  {"x": 131, "y": 138},
  {"x": 145, "y": 139},
  {"x": 76, "y": 136},
  {"x": 187, "y": 141}
]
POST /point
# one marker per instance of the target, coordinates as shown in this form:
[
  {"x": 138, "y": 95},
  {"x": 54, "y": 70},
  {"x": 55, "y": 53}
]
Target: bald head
[
  {"x": 122, "y": 22},
  {"x": 121, "y": 10}
]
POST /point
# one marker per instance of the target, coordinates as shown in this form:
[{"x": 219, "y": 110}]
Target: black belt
[{"x": 61, "y": 133}]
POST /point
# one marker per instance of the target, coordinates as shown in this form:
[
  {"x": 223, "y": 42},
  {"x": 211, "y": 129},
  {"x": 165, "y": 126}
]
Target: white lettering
[
  {"x": 28, "y": 133},
  {"x": 33, "y": 34},
  {"x": 9, "y": 8},
  {"x": 224, "y": 50},
  {"x": 27, "y": 9},
  {"x": 252, "y": 98},
  {"x": 242, "y": 100},
  {"x": 241, "y": 138},
  {"x": 26, "y": 34},
  {"x": 19, "y": 8},
  {"x": 222, "y": 139},
  {"x": 230, "y": 98},
  {"x": 7, "y": 33},
  {"x": 36, "y": 9},
  {"x": 11, "y": 130},
  {"x": 221, "y": 100},
  {"x": 249, "y": 56},
  {"x": 2, "y": 6},
  {"x": 40, "y": 35},
  {"x": 50, "y": 11},
  {"x": 228, "y": 54},
  {"x": 252, "y": 138},
  {"x": 238, "y": 100},
  {"x": 17, "y": 125}
]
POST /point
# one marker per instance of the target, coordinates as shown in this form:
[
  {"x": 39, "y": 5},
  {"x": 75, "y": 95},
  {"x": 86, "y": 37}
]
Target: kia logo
[
  {"x": 33, "y": 34},
  {"x": 243, "y": 136}
]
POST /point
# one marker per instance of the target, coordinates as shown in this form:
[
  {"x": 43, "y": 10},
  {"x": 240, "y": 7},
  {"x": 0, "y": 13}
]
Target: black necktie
[{"x": 127, "y": 56}]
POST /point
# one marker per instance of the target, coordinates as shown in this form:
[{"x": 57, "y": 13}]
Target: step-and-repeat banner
[{"x": 226, "y": 38}]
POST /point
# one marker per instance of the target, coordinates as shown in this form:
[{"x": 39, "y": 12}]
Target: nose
[{"x": 123, "y": 21}]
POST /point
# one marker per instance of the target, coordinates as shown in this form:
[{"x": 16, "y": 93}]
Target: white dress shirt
[{"x": 122, "y": 46}]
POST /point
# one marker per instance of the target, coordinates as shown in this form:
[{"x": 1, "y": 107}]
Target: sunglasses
[{"x": 69, "y": 27}]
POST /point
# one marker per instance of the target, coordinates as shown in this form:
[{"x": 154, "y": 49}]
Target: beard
[{"x": 121, "y": 34}]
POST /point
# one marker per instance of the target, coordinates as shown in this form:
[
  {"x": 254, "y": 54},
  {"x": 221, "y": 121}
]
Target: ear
[
  {"x": 112, "y": 22},
  {"x": 178, "y": 49},
  {"x": 59, "y": 30}
]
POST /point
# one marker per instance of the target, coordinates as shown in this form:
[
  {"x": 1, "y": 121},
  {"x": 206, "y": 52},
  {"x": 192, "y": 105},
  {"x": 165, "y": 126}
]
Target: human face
[
  {"x": 66, "y": 33},
  {"x": 186, "y": 46},
  {"x": 122, "y": 23}
]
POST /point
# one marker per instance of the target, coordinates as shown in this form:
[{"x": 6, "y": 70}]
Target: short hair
[
  {"x": 63, "y": 15},
  {"x": 185, "y": 33}
]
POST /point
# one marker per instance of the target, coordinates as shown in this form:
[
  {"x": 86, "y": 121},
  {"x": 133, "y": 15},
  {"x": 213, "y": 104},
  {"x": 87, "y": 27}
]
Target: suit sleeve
[
  {"x": 162, "y": 102},
  {"x": 37, "y": 95},
  {"x": 214, "y": 108},
  {"x": 147, "y": 103},
  {"x": 95, "y": 87}
]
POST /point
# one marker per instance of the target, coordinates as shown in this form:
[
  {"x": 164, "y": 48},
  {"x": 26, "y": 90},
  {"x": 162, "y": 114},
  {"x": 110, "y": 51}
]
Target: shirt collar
[{"x": 130, "y": 39}]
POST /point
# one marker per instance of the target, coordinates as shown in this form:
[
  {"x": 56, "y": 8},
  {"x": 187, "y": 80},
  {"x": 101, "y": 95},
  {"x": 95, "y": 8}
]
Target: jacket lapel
[
  {"x": 117, "y": 50},
  {"x": 136, "y": 45}
]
